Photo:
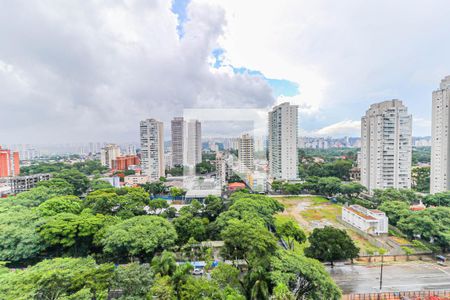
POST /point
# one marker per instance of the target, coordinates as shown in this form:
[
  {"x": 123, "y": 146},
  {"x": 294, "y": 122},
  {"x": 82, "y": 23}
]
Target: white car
[{"x": 197, "y": 272}]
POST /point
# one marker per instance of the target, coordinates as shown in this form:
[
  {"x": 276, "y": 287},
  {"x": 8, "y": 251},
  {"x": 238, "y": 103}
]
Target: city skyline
[{"x": 93, "y": 75}]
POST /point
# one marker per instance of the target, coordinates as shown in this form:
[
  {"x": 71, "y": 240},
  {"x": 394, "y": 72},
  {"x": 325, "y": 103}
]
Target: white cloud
[
  {"x": 341, "y": 55},
  {"x": 93, "y": 70},
  {"x": 73, "y": 70}
]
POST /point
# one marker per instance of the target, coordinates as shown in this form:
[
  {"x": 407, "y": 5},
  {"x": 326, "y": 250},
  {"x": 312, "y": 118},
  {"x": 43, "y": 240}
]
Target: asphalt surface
[{"x": 411, "y": 276}]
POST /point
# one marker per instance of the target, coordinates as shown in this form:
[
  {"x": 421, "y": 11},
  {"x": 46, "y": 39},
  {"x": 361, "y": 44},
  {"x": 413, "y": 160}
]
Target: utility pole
[{"x": 381, "y": 272}]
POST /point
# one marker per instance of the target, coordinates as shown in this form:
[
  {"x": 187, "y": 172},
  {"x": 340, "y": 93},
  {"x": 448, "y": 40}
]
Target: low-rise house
[
  {"x": 133, "y": 180},
  {"x": 371, "y": 221}
]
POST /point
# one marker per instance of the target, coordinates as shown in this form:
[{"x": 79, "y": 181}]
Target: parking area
[{"x": 410, "y": 276}]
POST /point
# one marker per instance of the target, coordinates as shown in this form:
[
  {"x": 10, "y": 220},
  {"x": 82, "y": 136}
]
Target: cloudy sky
[{"x": 91, "y": 70}]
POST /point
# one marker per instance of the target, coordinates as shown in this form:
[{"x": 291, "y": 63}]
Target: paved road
[{"x": 411, "y": 276}]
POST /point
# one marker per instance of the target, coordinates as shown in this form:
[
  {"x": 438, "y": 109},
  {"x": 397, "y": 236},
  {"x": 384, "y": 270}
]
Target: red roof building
[
  {"x": 234, "y": 186},
  {"x": 417, "y": 207},
  {"x": 122, "y": 163}
]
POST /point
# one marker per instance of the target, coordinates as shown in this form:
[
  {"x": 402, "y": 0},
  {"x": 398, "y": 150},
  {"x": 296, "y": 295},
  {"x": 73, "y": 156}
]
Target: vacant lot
[{"x": 315, "y": 212}]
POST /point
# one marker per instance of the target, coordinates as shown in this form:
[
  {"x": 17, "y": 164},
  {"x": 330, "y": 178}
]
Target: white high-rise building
[
  {"x": 193, "y": 143},
  {"x": 108, "y": 154},
  {"x": 152, "y": 148},
  {"x": 440, "y": 145},
  {"x": 246, "y": 153},
  {"x": 177, "y": 134},
  {"x": 386, "y": 146},
  {"x": 283, "y": 135}
]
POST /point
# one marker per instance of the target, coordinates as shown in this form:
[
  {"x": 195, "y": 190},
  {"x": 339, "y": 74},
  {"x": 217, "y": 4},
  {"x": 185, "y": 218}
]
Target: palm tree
[
  {"x": 165, "y": 264},
  {"x": 260, "y": 290}
]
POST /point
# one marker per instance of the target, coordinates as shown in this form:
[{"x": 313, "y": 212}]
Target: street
[{"x": 411, "y": 276}]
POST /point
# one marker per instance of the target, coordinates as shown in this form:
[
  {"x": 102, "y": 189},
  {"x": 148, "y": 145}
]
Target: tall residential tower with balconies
[
  {"x": 283, "y": 135},
  {"x": 177, "y": 135},
  {"x": 440, "y": 145},
  {"x": 386, "y": 146},
  {"x": 152, "y": 148}
]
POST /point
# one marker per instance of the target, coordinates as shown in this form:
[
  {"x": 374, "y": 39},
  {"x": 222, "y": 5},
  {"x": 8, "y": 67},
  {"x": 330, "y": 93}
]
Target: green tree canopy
[
  {"x": 99, "y": 184},
  {"x": 247, "y": 240},
  {"x": 157, "y": 206},
  {"x": 19, "y": 238},
  {"x": 306, "y": 278},
  {"x": 176, "y": 191},
  {"x": 153, "y": 188},
  {"x": 72, "y": 232},
  {"x": 140, "y": 237},
  {"x": 124, "y": 202},
  {"x": 227, "y": 276},
  {"x": 352, "y": 189},
  {"x": 395, "y": 210},
  {"x": 331, "y": 244},
  {"x": 421, "y": 179},
  {"x": 188, "y": 226},
  {"x": 291, "y": 231},
  {"x": 78, "y": 180},
  {"x": 165, "y": 264},
  {"x": 250, "y": 206},
  {"x": 213, "y": 207},
  {"x": 438, "y": 199},
  {"x": 134, "y": 280},
  {"x": 61, "y": 204},
  {"x": 33, "y": 197},
  {"x": 329, "y": 186},
  {"x": 59, "y": 278},
  {"x": 202, "y": 288},
  {"x": 62, "y": 186},
  {"x": 162, "y": 288},
  {"x": 391, "y": 194},
  {"x": 431, "y": 224}
]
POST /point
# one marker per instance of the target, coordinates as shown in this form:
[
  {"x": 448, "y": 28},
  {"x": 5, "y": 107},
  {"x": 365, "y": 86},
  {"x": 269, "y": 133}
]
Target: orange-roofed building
[
  {"x": 122, "y": 163},
  {"x": 417, "y": 207},
  {"x": 234, "y": 186},
  {"x": 9, "y": 163}
]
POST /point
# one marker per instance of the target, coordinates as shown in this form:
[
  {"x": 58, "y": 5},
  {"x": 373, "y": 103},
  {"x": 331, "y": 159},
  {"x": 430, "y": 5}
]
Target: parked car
[{"x": 197, "y": 272}]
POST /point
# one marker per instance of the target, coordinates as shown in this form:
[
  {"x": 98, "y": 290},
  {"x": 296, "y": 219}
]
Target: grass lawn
[
  {"x": 321, "y": 211},
  {"x": 401, "y": 241}
]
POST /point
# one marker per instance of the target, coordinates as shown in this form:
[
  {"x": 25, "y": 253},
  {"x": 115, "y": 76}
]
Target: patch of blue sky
[
  {"x": 279, "y": 86},
  {"x": 218, "y": 56},
  {"x": 179, "y": 7},
  {"x": 283, "y": 87}
]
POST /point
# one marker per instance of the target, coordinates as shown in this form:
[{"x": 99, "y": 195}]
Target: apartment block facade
[
  {"x": 9, "y": 163},
  {"x": 282, "y": 143},
  {"x": 385, "y": 158},
  {"x": 109, "y": 153},
  {"x": 246, "y": 153},
  {"x": 440, "y": 144},
  {"x": 193, "y": 142},
  {"x": 177, "y": 141},
  {"x": 122, "y": 163},
  {"x": 152, "y": 148}
]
